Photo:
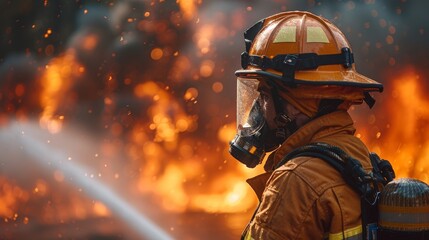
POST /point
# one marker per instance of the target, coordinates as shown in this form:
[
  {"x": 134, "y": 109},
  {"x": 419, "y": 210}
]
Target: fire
[
  {"x": 235, "y": 198},
  {"x": 100, "y": 209},
  {"x": 402, "y": 133},
  {"x": 175, "y": 168},
  {"x": 165, "y": 125},
  {"x": 56, "y": 82},
  {"x": 174, "y": 142},
  {"x": 188, "y": 7},
  {"x": 10, "y": 196},
  {"x": 183, "y": 172}
]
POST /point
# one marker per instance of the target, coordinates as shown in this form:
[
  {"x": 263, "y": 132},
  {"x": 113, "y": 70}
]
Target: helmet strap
[
  {"x": 327, "y": 106},
  {"x": 286, "y": 125},
  {"x": 289, "y": 63}
]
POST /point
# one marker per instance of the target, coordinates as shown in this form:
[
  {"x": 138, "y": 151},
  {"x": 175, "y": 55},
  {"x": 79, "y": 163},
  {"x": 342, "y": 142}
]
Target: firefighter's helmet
[
  {"x": 404, "y": 210},
  {"x": 302, "y": 49}
]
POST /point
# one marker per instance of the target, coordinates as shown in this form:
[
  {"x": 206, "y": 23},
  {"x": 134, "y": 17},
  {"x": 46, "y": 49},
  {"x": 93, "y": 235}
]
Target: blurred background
[{"x": 115, "y": 116}]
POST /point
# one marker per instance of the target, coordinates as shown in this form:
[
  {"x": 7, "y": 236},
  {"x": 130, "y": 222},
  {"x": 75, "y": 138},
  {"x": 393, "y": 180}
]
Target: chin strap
[{"x": 286, "y": 125}]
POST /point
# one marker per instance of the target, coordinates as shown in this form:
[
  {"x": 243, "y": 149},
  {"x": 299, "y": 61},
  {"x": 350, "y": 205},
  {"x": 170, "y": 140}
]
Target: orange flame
[
  {"x": 404, "y": 139},
  {"x": 56, "y": 81},
  {"x": 166, "y": 126},
  {"x": 173, "y": 168},
  {"x": 169, "y": 160},
  {"x": 188, "y": 7},
  {"x": 10, "y": 196}
]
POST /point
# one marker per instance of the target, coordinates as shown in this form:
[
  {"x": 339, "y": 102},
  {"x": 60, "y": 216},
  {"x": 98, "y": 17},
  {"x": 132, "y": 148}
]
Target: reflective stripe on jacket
[{"x": 306, "y": 198}]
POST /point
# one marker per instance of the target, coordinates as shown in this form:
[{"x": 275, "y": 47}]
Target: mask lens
[
  {"x": 255, "y": 121},
  {"x": 247, "y": 146},
  {"x": 249, "y": 117}
]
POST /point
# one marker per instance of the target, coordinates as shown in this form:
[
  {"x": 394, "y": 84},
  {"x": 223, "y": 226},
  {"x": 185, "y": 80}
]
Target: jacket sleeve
[{"x": 290, "y": 209}]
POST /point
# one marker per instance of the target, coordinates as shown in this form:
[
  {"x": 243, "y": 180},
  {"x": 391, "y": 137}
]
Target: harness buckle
[
  {"x": 290, "y": 60},
  {"x": 244, "y": 60},
  {"x": 348, "y": 57}
]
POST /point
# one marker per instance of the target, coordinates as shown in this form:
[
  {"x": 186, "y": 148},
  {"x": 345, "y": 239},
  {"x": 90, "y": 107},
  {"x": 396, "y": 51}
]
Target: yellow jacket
[{"x": 306, "y": 198}]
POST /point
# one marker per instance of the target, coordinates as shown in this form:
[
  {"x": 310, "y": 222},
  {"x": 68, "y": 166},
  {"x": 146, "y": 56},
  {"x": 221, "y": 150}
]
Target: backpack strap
[
  {"x": 350, "y": 169},
  {"x": 366, "y": 184}
]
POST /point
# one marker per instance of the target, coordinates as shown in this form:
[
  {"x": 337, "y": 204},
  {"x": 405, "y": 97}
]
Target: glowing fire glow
[
  {"x": 404, "y": 138},
  {"x": 236, "y": 198},
  {"x": 160, "y": 83},
  {"x": 56, "y": 82},
  {"x": 171, "y": 162},
  {"x": 163, "y": 123},
  {"x": 188, "y": 7},
  {"x": 10, "y": 196}
]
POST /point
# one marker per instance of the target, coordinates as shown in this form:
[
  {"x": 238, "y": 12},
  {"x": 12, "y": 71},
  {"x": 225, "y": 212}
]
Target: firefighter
[{"x": 297, "y": 83}]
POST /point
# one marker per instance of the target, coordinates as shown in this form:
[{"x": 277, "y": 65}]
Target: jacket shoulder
[{"x": 314, "y": 172}]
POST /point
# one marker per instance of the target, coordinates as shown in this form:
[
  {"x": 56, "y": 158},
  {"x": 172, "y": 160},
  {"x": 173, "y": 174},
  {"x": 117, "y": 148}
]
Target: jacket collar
[{"x": 313, "y": 131}]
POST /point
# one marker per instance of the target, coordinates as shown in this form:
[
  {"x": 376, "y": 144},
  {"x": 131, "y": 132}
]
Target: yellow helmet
[{"x": 301, "y": 49}]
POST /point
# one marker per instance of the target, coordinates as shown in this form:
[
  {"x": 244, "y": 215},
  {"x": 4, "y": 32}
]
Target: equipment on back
[
  {"x": 368, "y": 185},
  {"x": 404, "y": 210}
]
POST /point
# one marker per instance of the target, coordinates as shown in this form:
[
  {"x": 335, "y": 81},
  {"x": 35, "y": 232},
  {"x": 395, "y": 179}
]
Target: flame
[
  {"x": 188, "y": 8},
  {"x": 176, "y": 164},
  {"x": 100, "y": 209},
  {"x": 172, "y": 167},
  {"x": 10, "y": 196},
  {"x": 235, "y": 198},
  {"x": 56, "y": 81},
  {"x": 167, "y": 161},
  {"x": 401, "y": 134},
  {"x": 163, "y": 123},
  {"x": 183, "y": 172}
]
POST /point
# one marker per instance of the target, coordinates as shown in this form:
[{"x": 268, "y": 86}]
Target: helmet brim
[{"x": 346, "y": 78}]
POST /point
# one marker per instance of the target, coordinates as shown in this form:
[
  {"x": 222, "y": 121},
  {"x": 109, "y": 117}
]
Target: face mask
[
  {"x": 253, "y": 139},
  {"x": 254, "y": 136}
]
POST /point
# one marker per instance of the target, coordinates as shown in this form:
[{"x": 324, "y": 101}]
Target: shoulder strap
[
  {"x": 350, "y": 169},
  {"x": 366, "y": 184}
]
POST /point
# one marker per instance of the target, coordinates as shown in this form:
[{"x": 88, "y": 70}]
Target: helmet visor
[{"x": 250, "y": 117}]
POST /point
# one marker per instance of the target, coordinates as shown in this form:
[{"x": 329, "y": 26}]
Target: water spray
[{"x": 49, "y": 157}]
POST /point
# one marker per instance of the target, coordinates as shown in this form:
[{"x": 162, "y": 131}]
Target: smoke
[{"x": 380, "y": 33}]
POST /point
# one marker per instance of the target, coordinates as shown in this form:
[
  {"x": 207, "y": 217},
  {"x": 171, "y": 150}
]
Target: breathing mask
[{"x": 254, "y": 136}]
